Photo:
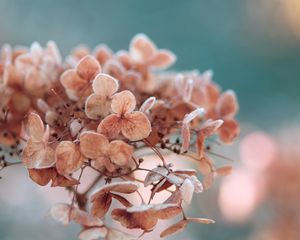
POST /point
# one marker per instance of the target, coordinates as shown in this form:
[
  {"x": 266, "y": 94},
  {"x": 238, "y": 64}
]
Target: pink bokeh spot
[
  {"x": 239, "y": 195},
  {"x": 257, "y": 151}
]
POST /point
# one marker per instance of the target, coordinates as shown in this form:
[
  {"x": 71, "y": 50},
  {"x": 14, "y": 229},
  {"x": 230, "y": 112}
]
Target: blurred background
[{"x": 253, "y": 47}]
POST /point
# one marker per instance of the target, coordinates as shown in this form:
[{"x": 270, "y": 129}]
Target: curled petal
[
  {"x": 105, "y": 85},
  {"x": 187, "y": 191},
  {"x": 101, "y": 204},
  {"x": 136, "y": 127},
  {"x": 167, "y": 211},
  {"x": 148, "y": 104},
  {"x": 123, "y": 102},
  {"x": 72, "y": 81},
  {"x": 93, "y": 145},
  {"x": 192, "y": 115},
  {"x": 35, "y": 127},
  {"x": 110, "y": 126},
  {"x": 186, "y": 136},
  {"x": 227, "y": 105},
  {"x": 162, "y": 59},
  {"x": 142, "y": 48},
  {"x": 68, "y": 157},
  {"x": 201, "y": 220},
  {"x": 97, "y": 106},
  {"x": 210, "y": 127},
  {"x": 88, "y": 68},
  {"x": 120, "y": 152},
  {"x": 177, "y": 227},
  {"x": 92, "y": 233}
]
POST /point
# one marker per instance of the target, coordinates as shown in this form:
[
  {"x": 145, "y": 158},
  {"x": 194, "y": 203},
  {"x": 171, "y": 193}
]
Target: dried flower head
[{"x": 116, "y": 114}]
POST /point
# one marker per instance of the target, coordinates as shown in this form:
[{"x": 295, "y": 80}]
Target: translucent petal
[
  {"x": 88, "y": 68},
  {"x": 136, "y": 126},
  {"x": 162, "y": 59},
  {"x": 123, "y": 102},
  {"x": 105, "y": 85},
  {"x": 97, "y": 106},
  {"x": 110, "y": 126}
]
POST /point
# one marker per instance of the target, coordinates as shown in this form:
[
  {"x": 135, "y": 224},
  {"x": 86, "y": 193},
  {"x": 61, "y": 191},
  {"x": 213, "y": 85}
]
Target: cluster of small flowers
[{"x": 104, "y": 110}]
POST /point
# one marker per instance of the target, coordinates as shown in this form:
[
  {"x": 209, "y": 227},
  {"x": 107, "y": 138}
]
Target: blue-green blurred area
[{"x": 253, "y": 47}]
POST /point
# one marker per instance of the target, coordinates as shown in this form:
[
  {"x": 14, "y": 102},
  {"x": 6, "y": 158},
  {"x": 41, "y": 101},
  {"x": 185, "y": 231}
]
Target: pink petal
[
  {"x": 105, "y": 85},
  {"x": 93, "y": 233},
  {"x": 93, "y": 145},
  {"x": 227, "y": 105},
  {"x": 162, "y": 59},
  {"x": 72, "y": 81},
  {"x": 141, "y": 48},
  {"x": 136, "y": 127},
  {"x": 119, "y": 152},
  {"x": 102, "y": 53},
  {"x": 35, "y": 127},
  {"x": 68, "y": 158},
  {"x": 88, "y": 68},
  {"x": 123, "y": 102},
  {"x": 114, "y": 68},
  {"x": 110, "y": 126},
  {"x": 186, "y": 136},
  {"x": 97, "y": 106}
]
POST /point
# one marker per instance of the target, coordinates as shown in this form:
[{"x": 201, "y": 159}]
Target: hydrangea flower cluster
[{"x": 112, "y": 113}]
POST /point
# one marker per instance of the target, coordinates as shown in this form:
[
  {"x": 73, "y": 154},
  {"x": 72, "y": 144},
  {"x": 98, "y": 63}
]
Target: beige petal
[
  {"x": 136, "y": 127},
  {"x": 186, "y": 136},
  {"x": 123, "y": 102},
  {"x": 97, "y": 106},
  {"x": 119, "y": 152},
  {"x": 201, "y": 220},
  {"x": 105, "y": 85},
  {"x": 209, "y": 127},
  {"x": 101, "y": 204},
  {"x": 72, "y": 81},
  {"x": 110, "y": 126},
  {"x": 60, "y": 213},
  {"x": 175, "y": 228},
  {"x": 141, "y": 48},
  {"x": 148, "y": 104},
  {"x": 35, "y": 127},
  {"x": 93, "y": 145},
  {"x": 155, "y": 175},
  {"x": 68, "y": 157},
  {"x": 92, "y": 233},
  {"x": 187, "y": 191},
  {"x": 114, "y": 234},
  {"x": 85, "y": 219},
  {"x": 162, "y": 59},
  {"x": 88, "y": 67},
  {"x": 227, "y": 105},
  {"x": 36, "y": 155}
]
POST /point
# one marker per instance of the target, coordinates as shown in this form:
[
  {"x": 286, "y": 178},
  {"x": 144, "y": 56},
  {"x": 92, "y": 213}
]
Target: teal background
[{"x": 249, "y": 44}]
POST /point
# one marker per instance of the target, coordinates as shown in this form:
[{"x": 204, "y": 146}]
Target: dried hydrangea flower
[
  {"x": 77, "y": 81},
  {"x": 134, "y": 125},
  {"x": 98, "y": 104},
  {"x": 106, "y": 111},
  {"x": 106, "y": 154}
]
